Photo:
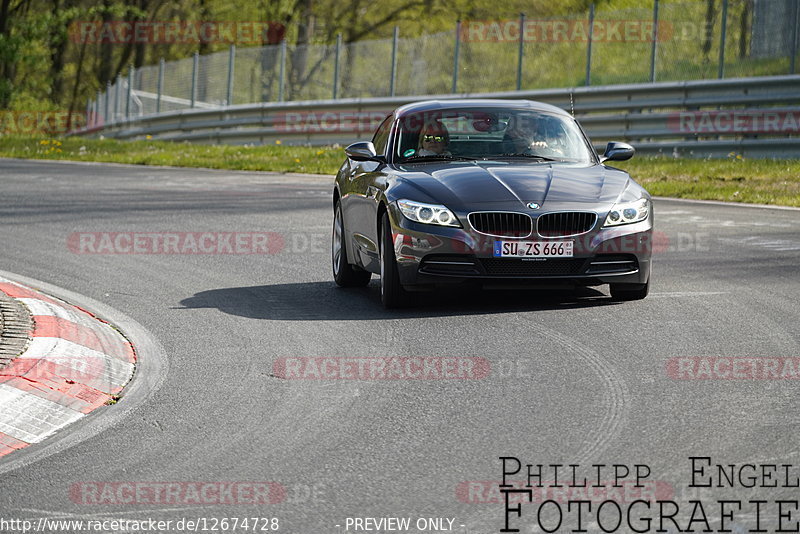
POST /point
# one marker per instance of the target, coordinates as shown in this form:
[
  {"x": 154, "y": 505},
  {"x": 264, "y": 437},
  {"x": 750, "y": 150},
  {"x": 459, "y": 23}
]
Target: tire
[
  {"x": 344, "y": 274},
  {"x": 622, "y": 292},
  {"x": 392, "y": 293}
]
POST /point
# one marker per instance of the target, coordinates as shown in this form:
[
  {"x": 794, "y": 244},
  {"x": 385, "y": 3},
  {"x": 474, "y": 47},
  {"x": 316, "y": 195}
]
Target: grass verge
[
  {"x": 276, "y": 157},
  {"x": 734, "y": 179},
  {"x": 754, "y": 181}
]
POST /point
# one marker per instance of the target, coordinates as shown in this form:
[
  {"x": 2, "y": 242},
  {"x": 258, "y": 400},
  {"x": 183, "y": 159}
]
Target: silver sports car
[{"x": 488, "y": 192}]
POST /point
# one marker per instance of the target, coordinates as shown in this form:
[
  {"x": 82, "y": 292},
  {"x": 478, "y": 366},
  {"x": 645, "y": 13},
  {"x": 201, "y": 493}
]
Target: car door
[{"x": 367, "y": 178}]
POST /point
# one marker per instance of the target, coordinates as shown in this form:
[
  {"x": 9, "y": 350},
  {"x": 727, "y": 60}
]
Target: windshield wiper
[
  {"x": 434, "y": 157},
  {"x": 522, "y": 155}
]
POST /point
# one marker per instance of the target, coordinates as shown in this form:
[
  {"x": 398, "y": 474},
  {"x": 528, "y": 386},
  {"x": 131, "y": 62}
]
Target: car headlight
[
  {"x": 628, "y": 212},
  {"x": 427, "y": 213}
]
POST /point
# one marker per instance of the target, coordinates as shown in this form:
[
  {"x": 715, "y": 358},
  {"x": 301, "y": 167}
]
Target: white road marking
[
  {"x": 726, "y": 204},
  {"x": 41, "y": 307},
  {"x": 89, "y": 366},
  {"x": 758, "y": 241},
  {"x": 707, "y": 222},
  {"x": 687, "y": 293},
  {"x": 29, "y": 418}
]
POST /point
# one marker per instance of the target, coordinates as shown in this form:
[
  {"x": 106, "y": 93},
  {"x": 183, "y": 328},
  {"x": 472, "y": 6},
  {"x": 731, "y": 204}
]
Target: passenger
[{"x": 433, "y": 140}]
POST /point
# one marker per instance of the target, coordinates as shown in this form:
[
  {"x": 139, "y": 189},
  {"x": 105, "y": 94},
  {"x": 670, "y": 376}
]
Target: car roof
[{"x": 433, "y": 105}]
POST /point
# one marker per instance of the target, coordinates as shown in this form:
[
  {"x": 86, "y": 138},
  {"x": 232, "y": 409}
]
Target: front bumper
[{"x": 429, "y": 255}]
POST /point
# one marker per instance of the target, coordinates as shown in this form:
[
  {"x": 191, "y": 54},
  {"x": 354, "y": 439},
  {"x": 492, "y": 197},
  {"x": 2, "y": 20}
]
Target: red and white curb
[{"x": 74, "y": 364}]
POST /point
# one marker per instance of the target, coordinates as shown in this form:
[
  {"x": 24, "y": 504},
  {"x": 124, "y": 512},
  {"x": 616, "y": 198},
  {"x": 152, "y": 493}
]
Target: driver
[{"x": 520, "y": 135}]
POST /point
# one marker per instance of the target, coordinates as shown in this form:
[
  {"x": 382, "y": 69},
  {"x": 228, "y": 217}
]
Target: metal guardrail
[{"x": 755, "y": 117}]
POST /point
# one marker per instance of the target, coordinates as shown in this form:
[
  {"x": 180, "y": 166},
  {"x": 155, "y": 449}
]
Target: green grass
[
  {"x": 276, "y": 157},
  {"x": 754, "y": 181},
  {"x": 758, "y": 181}
]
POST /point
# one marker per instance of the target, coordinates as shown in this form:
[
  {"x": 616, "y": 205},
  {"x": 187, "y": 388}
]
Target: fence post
[
  {"x": 97, "y": 108},
  {"x": 336, "y": 65},
  {"x": 521, "y": 50},
  {"x": 455, "y": 56},
  {"x": 130, "y": 94},
  {"x": 160, "y": 84},
  {"x": 795, "y": 36},
  {"x": 394, "y": 61},
  {"x": 117, "y": 94},
  {"x": 106, "y": 106},
  {"x": 282, "y": 74},
  {"x": 88, "y": 112},
  {"x": 231, "y": 61},
  {"x": 722, "y": 37},
  {"x": 655, "y": 43},
  {"x": 589, "y": 47},
  {"x": 195, "y": 65}
]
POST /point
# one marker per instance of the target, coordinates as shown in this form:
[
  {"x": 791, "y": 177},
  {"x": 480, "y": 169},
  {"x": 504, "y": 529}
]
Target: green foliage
[{"x": 42, "y": 66}]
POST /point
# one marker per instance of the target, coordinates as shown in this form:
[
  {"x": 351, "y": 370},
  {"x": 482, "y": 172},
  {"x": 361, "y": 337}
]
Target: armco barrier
[{"x": 754, "y": 117}]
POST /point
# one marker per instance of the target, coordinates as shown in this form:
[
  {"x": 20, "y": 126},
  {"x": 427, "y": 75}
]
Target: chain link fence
[{"x": 671, "y": 41}]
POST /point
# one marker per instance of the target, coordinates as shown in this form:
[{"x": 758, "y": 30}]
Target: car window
[
  {"x": 490, "y": 133},
  {"x": 381, "y": 137}
]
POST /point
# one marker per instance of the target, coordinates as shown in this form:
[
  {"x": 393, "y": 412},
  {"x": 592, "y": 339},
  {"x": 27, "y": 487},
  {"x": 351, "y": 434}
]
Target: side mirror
[
  {"x": 362, "y": 151},
  {"x": 616, "y": 151}
]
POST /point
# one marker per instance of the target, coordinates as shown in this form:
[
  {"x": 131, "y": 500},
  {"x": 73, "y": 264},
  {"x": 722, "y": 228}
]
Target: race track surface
[{"x": 575, "y": 378}]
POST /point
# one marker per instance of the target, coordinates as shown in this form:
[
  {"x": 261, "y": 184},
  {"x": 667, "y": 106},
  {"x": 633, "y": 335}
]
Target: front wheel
[
  {"x": 629, "y": 291},
  {"x": 392, "y": 293},
  {"x": 344, "y": 274}
]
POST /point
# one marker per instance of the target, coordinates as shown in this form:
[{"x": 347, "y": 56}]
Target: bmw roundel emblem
[{"x": 533, "y": 205}]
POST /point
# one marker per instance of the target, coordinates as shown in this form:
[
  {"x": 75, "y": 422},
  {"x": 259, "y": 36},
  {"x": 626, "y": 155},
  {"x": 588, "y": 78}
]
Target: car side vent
[
  {"x": 565, "y": 223},
  {"x": 502, "y": 223}
]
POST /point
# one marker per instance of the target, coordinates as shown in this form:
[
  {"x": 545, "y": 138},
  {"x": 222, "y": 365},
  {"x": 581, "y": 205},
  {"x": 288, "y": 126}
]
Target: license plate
[{"x": 533, "y": 249}]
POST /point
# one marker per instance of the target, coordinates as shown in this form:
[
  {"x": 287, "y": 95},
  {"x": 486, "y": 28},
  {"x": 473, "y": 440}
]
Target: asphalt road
[{"x": 575, "y": 378}]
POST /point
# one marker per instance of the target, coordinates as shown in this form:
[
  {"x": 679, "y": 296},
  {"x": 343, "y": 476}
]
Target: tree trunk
[
  {"x": 140, "y": 49},
  {"x": 711, "y": 14},
  {"x": 300, "y": 54},
  {"x": 270, "y": 58},
  {"x": 745, "y": 28},
  {"x": 76, "y": 86},
  {"x": 8, "y": 65},
  {"x": 58, "y": 46},
  {"x": 205, "y": 15},
  {"x": 105, "y": 73}
]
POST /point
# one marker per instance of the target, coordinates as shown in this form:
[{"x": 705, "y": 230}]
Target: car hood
[{"x": 465, "y": 186}]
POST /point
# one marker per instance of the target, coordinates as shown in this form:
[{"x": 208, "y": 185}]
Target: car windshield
[{"x": 490, "y": 133}]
